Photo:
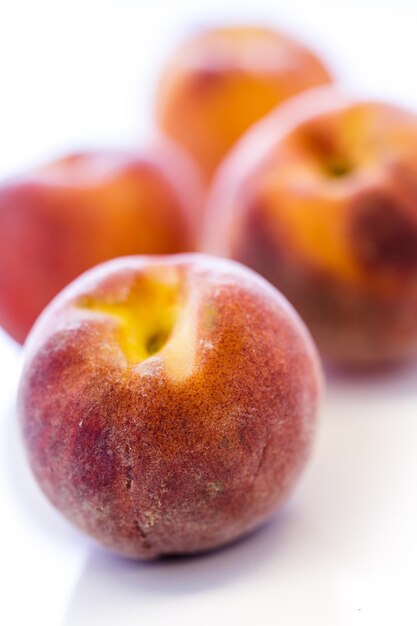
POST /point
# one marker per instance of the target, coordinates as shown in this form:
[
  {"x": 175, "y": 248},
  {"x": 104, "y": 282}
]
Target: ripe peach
[
  {"x": 224, "y": 79},
  {"x": 321, "y": 198},
  {"x": 168, "y": 403},
  {"x": 86, "y": 208}
]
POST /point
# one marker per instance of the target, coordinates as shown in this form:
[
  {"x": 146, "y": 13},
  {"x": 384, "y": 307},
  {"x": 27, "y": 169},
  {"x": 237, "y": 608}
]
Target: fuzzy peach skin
[
  {"x": 60, "y": 220},
  {"x": 222, "y": 80},
  {"x": 321, "y": 198},
  {"x": 168, "y": 404}
]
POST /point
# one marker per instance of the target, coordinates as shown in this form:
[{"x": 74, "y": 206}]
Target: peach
[
  {"x": 168, "y": 403},
  {"x": 60, "y": 220},
  {"x": 321, "y": 198},
  {"x": 223, "y": 80}
]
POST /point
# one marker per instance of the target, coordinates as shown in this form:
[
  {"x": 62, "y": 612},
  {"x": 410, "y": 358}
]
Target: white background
[{"x": 343, "y": 550}]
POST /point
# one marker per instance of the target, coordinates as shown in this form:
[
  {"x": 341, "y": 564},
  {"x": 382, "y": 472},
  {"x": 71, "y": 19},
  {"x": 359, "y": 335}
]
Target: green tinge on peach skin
[{"x": 168, "y": 404}]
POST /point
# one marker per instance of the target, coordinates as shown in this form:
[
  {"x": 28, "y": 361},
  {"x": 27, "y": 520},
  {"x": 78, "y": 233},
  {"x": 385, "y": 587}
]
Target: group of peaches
[{"x": 168, "y": 398}]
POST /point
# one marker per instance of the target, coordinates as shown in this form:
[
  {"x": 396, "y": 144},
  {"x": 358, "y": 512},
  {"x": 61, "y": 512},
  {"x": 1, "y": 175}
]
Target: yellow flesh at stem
[
  {"x": 154, "y": 317},
  {"x": 145, "y": 317}
]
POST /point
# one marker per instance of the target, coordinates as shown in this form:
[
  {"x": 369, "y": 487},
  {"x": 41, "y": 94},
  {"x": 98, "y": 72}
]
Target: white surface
[{"x": 343, "y": 551}]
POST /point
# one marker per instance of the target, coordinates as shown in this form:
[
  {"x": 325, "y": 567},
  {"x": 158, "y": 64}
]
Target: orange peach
[
  {"x": 224, "y": 79},
  {"x": 321, "y": 198},
  {"x": 60, "y": 220},
  {"x": 168, "y": 403}
]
